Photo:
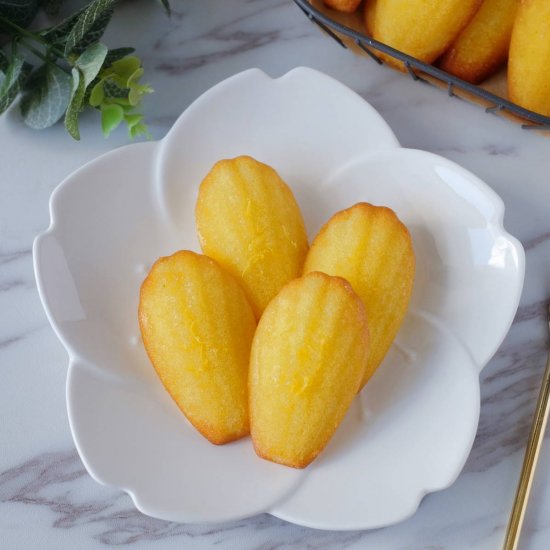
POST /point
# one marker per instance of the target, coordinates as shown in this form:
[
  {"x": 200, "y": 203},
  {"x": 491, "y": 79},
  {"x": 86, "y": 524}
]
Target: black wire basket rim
[{"x": 361, "y": 40}]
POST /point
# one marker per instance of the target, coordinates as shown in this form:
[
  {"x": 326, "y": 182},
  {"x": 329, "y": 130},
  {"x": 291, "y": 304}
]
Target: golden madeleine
[
  {"x": 197, "y": 327},
  {"x": 482, "y": 47},
  {"x": 529, "y": 57},
  {"x": 249, "y": 221},
  {"x": 347, "y": 6},
  {"x": 420, "y": 28},
  {"x": 306, "y": 366},
  {"x": 369, "y": 247}
]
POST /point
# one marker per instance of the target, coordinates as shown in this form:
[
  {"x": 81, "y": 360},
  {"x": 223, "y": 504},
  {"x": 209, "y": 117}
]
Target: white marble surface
[{"x": 47, "y": 500}]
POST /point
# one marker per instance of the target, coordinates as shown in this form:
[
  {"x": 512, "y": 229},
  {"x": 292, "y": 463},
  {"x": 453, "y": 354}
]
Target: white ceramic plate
[{"x": 410, "y": 430}]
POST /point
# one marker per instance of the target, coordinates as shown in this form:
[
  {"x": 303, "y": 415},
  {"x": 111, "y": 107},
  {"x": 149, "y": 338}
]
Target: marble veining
[
  {"x": 228, "y": 38},
  {"x": 494, "y": 150},
  {"x": 12, "y": 256},
  {"x": 17, "y": 283},
  {"x": 52, "y": 480},
  {"x": 535, "y": 241},
  {"x": 47, "y": 500},
  {"x": 10, "y": 341},
  {"x": 528, "y": 312}
]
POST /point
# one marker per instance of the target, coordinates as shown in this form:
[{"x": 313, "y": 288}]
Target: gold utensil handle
[{"x": 529, "y": 463}]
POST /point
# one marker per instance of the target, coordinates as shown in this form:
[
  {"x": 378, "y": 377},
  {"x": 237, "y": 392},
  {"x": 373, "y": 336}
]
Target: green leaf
[
  {"x": 97, "y": 95},
  {"x": 111, "y": 117},
  {"x": 124, "y": 103},
  {"x": 134, "y": 96},
  {"x": 12, "y": 81},
  {"x": 20, "y": 12},
  {"x": 166, "y": 5},
  {"x": 136, "y": 126},
  {"x": 113, "y": 90},
  {"x": 75, "y": 105},
  {"x": 58, "y": 34},
  {"x": 90, "y": 26},
  {"x": 137, "y": 91},
  {"x": 91, "y": 61},
  {"x": 34, "y": 79},
  {"x": 135, "y": 76},
  {"x": 125, "y": 68},
  {"x": 139, "y": 130},
  {"x": 132, "y": 119},
  {"x": 45, "y": 104},
  {"x": 4, "y": 61},
  {"x": 116, "y": 54}
]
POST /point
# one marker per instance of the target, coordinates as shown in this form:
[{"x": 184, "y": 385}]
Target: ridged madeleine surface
[
  {"x": 482, "y": 47},
  {"x": 197, "y": 327},
  {"x": 421, "y": 28},
  {"x": 248, "y": 220},
  {"x": 529, "y": 57},
  {"x": 307, "y": 362},
  {"x": 370, "y": 247}
]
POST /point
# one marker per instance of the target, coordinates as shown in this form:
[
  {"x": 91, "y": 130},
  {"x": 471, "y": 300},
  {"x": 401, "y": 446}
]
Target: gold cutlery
[{"x": 530, "y": 460}]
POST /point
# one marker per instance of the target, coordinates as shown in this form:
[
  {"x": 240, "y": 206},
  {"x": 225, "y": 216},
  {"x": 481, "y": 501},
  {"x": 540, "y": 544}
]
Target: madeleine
[
  {"x": 249, "y": 221},
  {"x": 372, "y": 249},
  {"x": 420, "y": 28},
  {"x": 307, "y": 363},
  {"x": 529, "y": 57},
  {"x": 482, "y": 47},
  {"x": 197, "y": 328}
]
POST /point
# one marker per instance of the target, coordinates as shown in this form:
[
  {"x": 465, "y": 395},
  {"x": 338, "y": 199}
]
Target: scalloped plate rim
[{"x": 157, "y": 153}]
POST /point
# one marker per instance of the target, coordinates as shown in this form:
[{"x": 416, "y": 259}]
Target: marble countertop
[{"x": 47, "y": 500}]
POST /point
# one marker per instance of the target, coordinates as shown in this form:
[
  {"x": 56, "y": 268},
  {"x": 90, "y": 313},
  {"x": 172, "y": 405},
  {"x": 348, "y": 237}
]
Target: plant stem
[
  {"x": 36, "y": 52},
  {"x": 41, "y": 56},
  {"x": 19, "y": 30},
  {"x": 27, "y": 34}
]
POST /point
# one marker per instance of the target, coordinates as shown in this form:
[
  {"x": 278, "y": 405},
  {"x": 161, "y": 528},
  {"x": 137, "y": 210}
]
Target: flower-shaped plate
[{"x": 408, "y": 432}]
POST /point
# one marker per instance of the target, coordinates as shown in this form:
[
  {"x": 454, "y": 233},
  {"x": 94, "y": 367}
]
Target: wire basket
[{"x": 353, "y": 38}]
